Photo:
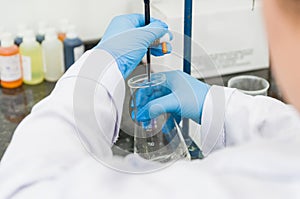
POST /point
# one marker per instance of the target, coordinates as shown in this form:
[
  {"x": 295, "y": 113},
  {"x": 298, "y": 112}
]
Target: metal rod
[
  {"x": 147, "y": 21},
  {"x": 188, "y": 19},
  {"x": 187, "y": 50}
]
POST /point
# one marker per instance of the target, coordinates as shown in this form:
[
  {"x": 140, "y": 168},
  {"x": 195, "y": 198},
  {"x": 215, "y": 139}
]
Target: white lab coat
[{"x": 257, "y": 154}]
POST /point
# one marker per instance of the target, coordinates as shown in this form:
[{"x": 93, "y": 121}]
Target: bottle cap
[
  {"x": 7, "y": 40},
  {"x": 28, "y": 36}
]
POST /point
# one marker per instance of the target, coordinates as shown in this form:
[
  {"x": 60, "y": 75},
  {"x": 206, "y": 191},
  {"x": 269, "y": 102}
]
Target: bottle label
[
  {"x": 10, "y": 68},
  {"x": 26, "y": 68},
  {"x": 78, "y": 51}
]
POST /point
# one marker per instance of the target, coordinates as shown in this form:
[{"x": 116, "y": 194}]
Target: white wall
[{"x": 90, "y": 16}]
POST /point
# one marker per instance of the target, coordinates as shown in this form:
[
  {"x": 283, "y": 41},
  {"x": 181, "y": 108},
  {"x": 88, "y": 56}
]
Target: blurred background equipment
[{"x": 230, "y": 31}]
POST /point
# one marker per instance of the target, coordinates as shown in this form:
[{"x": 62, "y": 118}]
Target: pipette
[{"x": 147, "y": 21}]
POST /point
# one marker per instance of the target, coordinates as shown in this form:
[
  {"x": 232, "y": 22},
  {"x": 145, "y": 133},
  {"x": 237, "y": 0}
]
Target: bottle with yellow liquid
[{"x": 32, "y": 59}]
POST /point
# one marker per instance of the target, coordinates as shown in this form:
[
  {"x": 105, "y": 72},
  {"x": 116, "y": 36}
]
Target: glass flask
[{"x": 153, "y": 139}]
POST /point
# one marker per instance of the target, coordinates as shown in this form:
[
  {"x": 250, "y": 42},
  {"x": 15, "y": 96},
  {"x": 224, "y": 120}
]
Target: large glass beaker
[{"x": 153, "y": 140}]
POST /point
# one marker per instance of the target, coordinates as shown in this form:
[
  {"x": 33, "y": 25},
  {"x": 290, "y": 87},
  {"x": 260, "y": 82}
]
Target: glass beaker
[{"x": 150, "y": 142}]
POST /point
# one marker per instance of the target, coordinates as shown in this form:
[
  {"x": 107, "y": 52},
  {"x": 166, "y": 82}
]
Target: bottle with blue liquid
[{"x": 73, "y": 47}]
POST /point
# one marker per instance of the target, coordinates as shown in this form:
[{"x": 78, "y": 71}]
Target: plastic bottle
[
  {"x": 32, "y": 59},
  {"x": 10, "y": 63},
  {"x": 53, "y": 56},
  {"x": 73, "y": 47}
]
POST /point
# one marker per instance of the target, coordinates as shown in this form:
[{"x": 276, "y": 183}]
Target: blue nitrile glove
[
  {"x": 183, "y": 97},
  {"x": 127, "y": 39}
]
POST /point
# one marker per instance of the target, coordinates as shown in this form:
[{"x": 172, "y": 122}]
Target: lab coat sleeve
[
  {"x": 79, "y": 119},
  {"x": 233, "y": 118}
]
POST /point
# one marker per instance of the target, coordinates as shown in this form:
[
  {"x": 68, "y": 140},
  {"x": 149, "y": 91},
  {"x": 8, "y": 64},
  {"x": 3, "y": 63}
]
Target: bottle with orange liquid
[{"x": 10, "y": 63}]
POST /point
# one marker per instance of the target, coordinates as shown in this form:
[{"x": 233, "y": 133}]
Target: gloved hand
[
  {"x": 127, "y": 39},
  {"x": 183, "y": 96}
]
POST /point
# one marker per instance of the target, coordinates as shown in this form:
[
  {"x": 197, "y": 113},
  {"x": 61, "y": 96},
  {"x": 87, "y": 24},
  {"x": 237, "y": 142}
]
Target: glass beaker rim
[{"x": 141, "y": 81}]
